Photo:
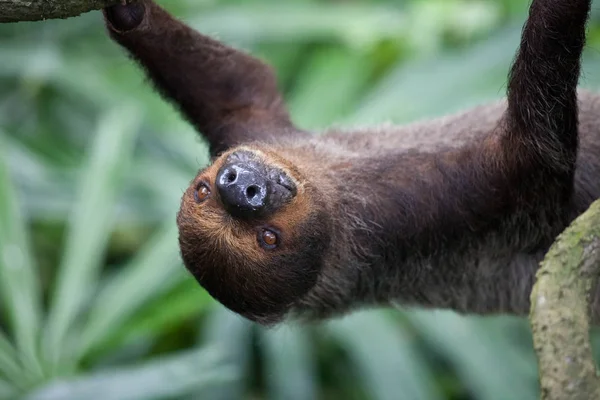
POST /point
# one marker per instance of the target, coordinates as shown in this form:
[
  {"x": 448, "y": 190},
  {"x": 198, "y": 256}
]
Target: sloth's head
[{"x": 253, "y": 231}]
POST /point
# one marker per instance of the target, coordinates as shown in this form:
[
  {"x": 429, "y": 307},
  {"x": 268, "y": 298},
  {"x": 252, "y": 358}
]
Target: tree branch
[
  {"x": 560, "y": 311},
  {"x": 36, "y": 10}
]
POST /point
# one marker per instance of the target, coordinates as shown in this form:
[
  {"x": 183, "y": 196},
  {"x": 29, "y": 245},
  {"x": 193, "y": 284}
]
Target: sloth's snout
[
  {"x": 249, "y": 188},
  {"x": 243, "y": 189}
]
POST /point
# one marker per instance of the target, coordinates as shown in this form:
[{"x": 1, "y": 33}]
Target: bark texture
[
  {"x": 36, "y": 10},
  {"x": 560, "y": 311}
]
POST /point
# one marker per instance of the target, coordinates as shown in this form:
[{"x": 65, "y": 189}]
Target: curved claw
[{"x": 125, "y": 17}]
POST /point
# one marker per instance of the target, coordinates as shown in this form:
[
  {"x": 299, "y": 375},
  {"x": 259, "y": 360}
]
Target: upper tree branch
[
  {"x": 560, "y": 311},
  {"x": 36, "y": 10}
]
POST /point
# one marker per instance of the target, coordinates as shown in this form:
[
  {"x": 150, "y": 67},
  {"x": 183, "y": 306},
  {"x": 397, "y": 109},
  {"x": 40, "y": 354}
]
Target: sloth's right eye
[
  {"x": 202, "y": 193},
  {"x": 268, "y": 239}
]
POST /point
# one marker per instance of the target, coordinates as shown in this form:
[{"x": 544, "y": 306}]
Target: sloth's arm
[
  {"x": 440, "y": 228},
  {"x": 542, "y": 99},
  {"x": 229, "y": 96},
  {"x": 528, "y": 161}
]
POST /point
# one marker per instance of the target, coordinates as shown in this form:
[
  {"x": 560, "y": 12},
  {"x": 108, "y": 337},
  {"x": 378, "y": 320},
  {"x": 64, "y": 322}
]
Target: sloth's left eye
[{"x": 202, "y": 193}]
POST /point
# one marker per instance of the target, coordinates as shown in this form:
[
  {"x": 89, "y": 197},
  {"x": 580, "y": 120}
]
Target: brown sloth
[{"x": 455, "y": 212}]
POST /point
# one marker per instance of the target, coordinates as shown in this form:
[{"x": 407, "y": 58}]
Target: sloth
[{"x": 453, "y": 213}]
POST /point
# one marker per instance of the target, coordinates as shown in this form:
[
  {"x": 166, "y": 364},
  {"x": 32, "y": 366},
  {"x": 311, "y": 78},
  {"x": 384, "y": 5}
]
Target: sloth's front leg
[{"x": 229, "y": 96}]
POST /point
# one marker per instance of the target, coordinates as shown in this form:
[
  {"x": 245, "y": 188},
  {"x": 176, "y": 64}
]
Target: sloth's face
[{"x": 253, "y": 232}]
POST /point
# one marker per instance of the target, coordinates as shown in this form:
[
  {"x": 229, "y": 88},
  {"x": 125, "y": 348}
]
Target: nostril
[
  {"x": 251, "y": 192},
  {"x": 231, "y": 176}
]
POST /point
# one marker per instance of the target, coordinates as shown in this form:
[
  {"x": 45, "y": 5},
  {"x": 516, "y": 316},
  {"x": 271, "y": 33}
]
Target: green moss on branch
[
  {"x": 36, "y": 10},
  {"x": 560, "y": 311}
]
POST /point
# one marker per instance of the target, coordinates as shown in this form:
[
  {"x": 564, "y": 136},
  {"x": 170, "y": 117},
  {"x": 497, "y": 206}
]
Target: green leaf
[
  {"x": 353, "y": 23},
  {"x": 7, "y": 391},
  {"x": 48, "y": 192},
  {"x": 384, "y": 357},
  {"x": 155, "y": 269},
  {"x": 284, "y": 22},
  {"x": 18, "y": 56},
  {"x": 168, "y": 377},
  {"x": 441, "y": 85},
  {"x": 90, "y": 225},
  {"x": 289, "y": 370},
  {"x": 9, "y": 366},
  {"x": 328, "y": 87},
  {"x": 486, "y": 363},
  {"x": 19, "y": 286},
  {"x": 184, "y": 302},
  {"x": 233, "y": 334},
  {"x": 590, "y": 78},
  {"x": 166, "y": 180}
]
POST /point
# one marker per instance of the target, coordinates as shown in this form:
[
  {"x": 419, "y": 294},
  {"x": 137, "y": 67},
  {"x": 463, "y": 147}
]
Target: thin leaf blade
[
  {"x": 289, "y": 369},
  {"x": 233, "y": 334},
  {"x": 485, "y": 362},
  {"x": 169, "y": 377},
  {"x": 90, "y": 224},
  {"x": 9, "y": 364},
  {"x": 19, "y": 286},
  {"x": 385, "y": 358},
  {"x": 7, "y": 391},
  {"x": 155, "y": 268}
]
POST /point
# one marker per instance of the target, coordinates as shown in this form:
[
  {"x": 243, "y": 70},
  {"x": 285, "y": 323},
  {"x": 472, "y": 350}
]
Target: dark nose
[{"x": 243, "y": 189}]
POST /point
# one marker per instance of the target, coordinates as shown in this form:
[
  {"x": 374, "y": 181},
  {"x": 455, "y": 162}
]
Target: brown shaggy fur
[{"x": 454, "y": 212}]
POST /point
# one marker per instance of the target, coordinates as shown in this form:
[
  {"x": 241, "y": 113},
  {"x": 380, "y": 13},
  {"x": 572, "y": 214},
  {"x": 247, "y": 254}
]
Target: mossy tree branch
[
  {"x": 36, "y": 10},
  {"x": 560, "y": 311}
]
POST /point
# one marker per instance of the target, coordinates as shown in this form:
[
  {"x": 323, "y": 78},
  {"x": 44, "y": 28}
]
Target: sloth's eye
[
  {"x": 202, "y": 193},
  {"x": 268, "y": 239}
]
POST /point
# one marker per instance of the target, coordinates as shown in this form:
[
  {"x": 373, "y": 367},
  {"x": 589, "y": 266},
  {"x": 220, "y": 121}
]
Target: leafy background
[{"x": 94, "y": 303}]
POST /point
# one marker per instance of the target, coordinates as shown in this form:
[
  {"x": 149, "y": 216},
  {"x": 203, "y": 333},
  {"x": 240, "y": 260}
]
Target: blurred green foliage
[{"x": 94, "y": 303}]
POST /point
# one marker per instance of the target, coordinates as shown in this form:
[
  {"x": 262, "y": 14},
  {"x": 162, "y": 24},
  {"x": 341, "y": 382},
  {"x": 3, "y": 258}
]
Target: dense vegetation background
[{"x": 94, "y": 303}]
